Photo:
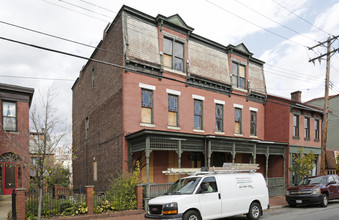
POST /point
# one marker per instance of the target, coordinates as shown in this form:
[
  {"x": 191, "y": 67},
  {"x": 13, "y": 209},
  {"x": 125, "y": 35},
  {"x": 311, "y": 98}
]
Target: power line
[
  {"x": 98, "y": 6},
  {"x": 83, "y": 8},
  {"x": 57, "y": 37},
  {"x": 222, "y": 8},
  {"x": 39, "y": 78},
  {"x": 75, "y": 11},
  {"x": 300, "y": 17},
  {"x": 274, "y": 21}
]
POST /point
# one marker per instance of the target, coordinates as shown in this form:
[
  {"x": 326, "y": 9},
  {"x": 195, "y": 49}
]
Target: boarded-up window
[
  {"x": 146, "y": 106},
  {"x": 95, "y": 171},
  {"x": 197, "y": 114},
  {"x": 219, "y": 117},
  {"x": 237, "y": 120},
  {"x": 173, "y": 54},
  {"x": 239, "y": 76},
  {"x": 172, "y": 110}
]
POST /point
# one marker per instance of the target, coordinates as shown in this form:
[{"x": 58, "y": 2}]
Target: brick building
[
  {"x": 171, "y": 98},
  {"x": 14, "y": 137},
  {"x": 295, "y": 123}
]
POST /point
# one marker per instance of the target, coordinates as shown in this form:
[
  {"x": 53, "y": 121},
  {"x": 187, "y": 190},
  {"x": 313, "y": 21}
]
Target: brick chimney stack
[{"x": 296, "y": 96}]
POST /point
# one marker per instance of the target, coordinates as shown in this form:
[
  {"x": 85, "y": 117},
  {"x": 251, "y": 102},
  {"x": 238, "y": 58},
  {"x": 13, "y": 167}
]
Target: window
[
  {"x": 210, "y": 184},
  {"x": 9, "y": 116},
  {"x": 146, "y": 106},
  {"x": 295, "y": 125},
  {"x": 173, "y": 54},
  {"x": 307, "y": 128},
  {"x": 95, "y": 170},
  {"x": 253, "y": 123},
  {"x": 197, "y": 114},
  {"x": 219, "y": 118},
  {"x": 173, "y": 110},
  {"x": 239, "y": 76},
  {"x": 86, "y": 127},
  {"x": 238, "y": 120},
  {"x": 93, "y": 77},
  {"x": 316, "y": 129}
]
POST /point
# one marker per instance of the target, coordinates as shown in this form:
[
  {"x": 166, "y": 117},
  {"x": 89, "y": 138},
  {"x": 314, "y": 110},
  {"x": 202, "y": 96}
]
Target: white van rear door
[{"x": 210, "y": 202}]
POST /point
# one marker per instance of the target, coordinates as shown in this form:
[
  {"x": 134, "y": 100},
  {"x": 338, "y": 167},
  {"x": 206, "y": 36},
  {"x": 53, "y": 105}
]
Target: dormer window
[
  {"x": 238, "y": 75},
  {"x": 173, "y": 54}
]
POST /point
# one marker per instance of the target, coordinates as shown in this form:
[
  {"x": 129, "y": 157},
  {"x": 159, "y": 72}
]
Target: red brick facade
[
  {"x": 14, "y": 145},
  {"x": 102, "y": 105},
  {"x": 109, "y": 117}
]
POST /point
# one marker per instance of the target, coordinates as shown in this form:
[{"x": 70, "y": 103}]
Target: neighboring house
[
  {"x": 36, "y": 151},
  {"x": 64, "y": 157},
  {"x": 296, "y": 123},
  {"x": 171, "y": 99},
  {"x": 331, "y": 162},
  {"x": 15, "y": 102},
  {"x": 333, "y": 119}
]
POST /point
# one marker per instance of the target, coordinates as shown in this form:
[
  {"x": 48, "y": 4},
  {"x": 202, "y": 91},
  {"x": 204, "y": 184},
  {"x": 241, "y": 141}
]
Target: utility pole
[{"x": 327, "y": 82}]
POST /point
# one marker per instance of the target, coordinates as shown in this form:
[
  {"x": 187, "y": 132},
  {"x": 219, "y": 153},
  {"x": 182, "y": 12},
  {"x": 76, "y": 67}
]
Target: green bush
[
  {"x": 103, "y": 206},
  {"x": 121, "y": 193},
  {"x": 77, "y": 209}
]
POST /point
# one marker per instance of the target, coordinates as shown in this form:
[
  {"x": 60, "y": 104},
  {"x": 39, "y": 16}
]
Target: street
[{"x": 309, "y": 212}]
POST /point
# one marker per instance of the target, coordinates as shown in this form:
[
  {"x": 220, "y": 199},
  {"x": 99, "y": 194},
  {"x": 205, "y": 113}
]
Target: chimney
[{"x": 296, "y": 96}]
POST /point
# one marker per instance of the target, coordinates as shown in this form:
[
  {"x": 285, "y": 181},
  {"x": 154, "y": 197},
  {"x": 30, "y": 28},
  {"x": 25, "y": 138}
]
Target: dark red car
[{"x": 314, "y": 190}]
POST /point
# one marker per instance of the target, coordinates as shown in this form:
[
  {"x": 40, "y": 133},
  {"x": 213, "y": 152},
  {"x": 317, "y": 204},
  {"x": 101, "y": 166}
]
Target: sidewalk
[
  {"x": 277, "y": 202},
  {"x": 5, "y": 206}
]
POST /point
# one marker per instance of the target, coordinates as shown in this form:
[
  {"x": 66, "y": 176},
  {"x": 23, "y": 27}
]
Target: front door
[{"x": 9, "y": 177}]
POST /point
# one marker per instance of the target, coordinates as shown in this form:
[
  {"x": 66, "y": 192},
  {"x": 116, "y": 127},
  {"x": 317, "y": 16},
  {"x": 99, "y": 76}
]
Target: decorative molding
[
  {"x": 253, "y": 109},
  {"x": 238, "y": 106},
  {"x": 219, "y": 102},
  {"x": 147, "y": 125},
  {"x": 202, "y": 98},
  {"x": 146, "y": 86},
  {"x": 173, "y": 92}
]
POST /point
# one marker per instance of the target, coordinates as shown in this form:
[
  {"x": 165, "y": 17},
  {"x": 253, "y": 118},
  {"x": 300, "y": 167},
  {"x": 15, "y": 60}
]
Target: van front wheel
[
  {"x": 254, "y": 211},
  {"x": 191, "y": 215}
]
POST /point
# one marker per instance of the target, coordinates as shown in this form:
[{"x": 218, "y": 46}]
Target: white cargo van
[{"x": 213, "y": 194}]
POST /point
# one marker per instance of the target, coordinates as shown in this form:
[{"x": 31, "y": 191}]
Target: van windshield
[
  {"x": 313, "y": 181},
  {"x": 184, "y": 186}
]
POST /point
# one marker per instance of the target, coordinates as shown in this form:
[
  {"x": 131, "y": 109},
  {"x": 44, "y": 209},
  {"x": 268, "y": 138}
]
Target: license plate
[{"x": 299, "y": 201}]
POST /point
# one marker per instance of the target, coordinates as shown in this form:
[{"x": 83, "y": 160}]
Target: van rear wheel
[
  {"x": 191, "y": 215},
  {"x": 254, "y": 211}
]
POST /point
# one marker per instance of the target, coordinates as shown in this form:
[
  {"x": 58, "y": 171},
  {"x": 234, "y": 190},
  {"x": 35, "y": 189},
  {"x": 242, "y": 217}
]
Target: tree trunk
[{"x": 40, "y": 203}]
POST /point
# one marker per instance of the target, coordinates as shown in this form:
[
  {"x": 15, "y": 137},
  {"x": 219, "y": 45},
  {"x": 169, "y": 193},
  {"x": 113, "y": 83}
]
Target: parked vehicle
[
  {"x": 212, "y": 195},
  {"x": 314, "y": 190}
]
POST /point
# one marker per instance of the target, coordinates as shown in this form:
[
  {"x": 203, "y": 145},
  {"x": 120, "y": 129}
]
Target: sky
[{"x": 278, "y": 32}]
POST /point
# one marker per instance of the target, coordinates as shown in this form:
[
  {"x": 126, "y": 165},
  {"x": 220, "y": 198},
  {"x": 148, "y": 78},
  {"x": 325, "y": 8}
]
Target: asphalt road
[{"x": 309, "y": 212}]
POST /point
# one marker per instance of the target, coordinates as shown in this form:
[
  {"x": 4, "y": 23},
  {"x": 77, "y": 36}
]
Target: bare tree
[{"x": 52, "y": 131}]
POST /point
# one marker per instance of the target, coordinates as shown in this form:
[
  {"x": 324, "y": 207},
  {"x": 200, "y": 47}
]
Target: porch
[{"x": 161, "y": 149}]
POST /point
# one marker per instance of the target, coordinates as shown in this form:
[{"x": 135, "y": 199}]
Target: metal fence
[
  {"x": 54, "y": 202},
  {"x": 157, "y": 189}
]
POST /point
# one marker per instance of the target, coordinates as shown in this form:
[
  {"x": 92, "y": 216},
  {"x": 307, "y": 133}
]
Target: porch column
[
  {"x": 233, "y": 152},
  {"x": 147, "y": 154},
  {"x": 267, "y": 156},
  {"x": 209, "y": 153},
  {"x": 179, "y": 152},
  {"x": 254, "y": 153}
]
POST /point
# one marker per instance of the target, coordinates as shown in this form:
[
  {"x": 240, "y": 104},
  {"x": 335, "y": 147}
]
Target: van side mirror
[{"x": 204, "y": 187}]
